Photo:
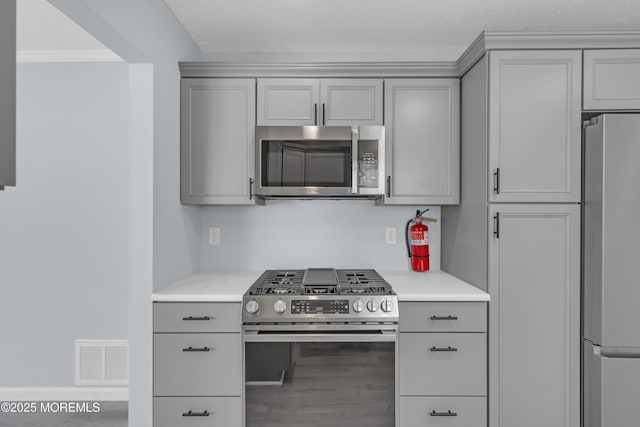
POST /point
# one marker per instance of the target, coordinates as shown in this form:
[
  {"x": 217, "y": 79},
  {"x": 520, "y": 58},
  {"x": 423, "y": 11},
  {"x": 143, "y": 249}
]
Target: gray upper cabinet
[
  {"x": 7, "y": 93},
  {"x": 326, "y": 102},
  {"x": 612, "y": 79},
  {"x": 288, "y": 102},
  {"x": 422, "y": 141},
  {"x": 217, "y": 139},
  {"x": 534, "y": 126},
  {"x": 349, "y": 102},
  {"x": 534, "y": 341}
]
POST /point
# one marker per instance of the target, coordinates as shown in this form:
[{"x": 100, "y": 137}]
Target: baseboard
[{"x": 28, "y": 394}]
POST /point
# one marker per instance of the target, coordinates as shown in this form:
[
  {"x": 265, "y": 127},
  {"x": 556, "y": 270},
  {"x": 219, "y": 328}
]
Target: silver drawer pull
[
  {"x": 444, "y": 317},
  {"x": 198, "y": 318},
  {"x": 449, "y": 348},
  {"x": 197, "y": 349},
  {"x": 196, "y": 414},
  {"x": 443, "y": 414}
]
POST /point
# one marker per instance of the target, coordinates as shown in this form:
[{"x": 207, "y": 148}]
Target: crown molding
[
  {"x": 577, "y": 39},
  {"x": 36, "y": 56},
  {"x": 529, "y": 40},
  {"x": 471, "y": 55},
  {"x": 319, "y": 69}
]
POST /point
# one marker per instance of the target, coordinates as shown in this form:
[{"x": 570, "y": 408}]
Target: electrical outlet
[
  {"x": 390, "y": 236},
  {"x": 214, "y": 235}
]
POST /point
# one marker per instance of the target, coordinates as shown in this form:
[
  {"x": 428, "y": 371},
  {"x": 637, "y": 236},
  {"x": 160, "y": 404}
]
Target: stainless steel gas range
[
  {"x": 320, "y": 348},
  {"x": 320, "y": 299}
]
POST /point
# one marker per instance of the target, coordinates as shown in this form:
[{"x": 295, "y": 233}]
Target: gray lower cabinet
[
  {"x": 7, "y": 93},
  {"x": 197, "y": 411},
  {"x": 612, "y": 79},
  {"x": 442, "y": 364},
  {"x": 217, "y": 133},
  {"x": 448, "y": 364},
  {"x": 534, "y": 339},
  {"x": 197, "y": 364},
  {"x": 422, "y": 141}
]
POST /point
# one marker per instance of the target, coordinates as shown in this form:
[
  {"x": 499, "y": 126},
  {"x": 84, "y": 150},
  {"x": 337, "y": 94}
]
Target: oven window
[
  {"x": 317, "y": 163},
  {"x": 320, "y": 384}
]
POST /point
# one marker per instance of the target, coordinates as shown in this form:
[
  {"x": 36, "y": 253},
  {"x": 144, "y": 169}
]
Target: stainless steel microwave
[{"x": 330, "y": 161}]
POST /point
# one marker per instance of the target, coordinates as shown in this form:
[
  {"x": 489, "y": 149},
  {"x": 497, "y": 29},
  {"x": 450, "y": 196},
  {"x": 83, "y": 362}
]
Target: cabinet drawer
[
  {"x": 197, "y": 364},
  {"x": 197, "y": 317},
  {"x": 430, "y": 411},
  {"x": 443, "y": 317},
  {"x": 433, "y": 364},
  {"x": 223, "y": 411}
]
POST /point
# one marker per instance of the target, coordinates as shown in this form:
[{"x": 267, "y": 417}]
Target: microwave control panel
[{"x": 368, "y": 170}]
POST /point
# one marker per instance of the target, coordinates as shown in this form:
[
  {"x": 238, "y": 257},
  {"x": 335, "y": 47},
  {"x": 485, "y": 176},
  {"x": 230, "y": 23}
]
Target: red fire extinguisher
[{"x": 417, "y": 238}]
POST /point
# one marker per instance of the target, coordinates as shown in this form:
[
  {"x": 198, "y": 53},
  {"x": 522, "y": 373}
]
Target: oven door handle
[{"x": 383, "y": 336}]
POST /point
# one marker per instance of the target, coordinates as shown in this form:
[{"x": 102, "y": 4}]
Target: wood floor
[{"x": 332, "y": 384}]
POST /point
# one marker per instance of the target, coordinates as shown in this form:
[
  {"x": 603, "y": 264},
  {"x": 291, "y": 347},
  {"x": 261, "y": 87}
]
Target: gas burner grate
[
  {"x": 363, "y": 282},
  {"x": 275, "y": 291},
  {"x": 278, "y": 282},
  {"x": 374, "y": 290}
]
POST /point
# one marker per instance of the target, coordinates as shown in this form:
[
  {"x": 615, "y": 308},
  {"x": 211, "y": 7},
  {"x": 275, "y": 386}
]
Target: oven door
[{"x": 324, "y": 378}]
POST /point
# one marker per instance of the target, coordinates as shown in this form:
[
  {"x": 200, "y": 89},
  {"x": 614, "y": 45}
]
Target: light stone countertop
[{"x": 230, "y": 286}]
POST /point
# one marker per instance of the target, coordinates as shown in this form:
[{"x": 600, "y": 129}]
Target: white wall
[
  {"x": 64, "y": 228},
  {"x": 311, "y": 233}
]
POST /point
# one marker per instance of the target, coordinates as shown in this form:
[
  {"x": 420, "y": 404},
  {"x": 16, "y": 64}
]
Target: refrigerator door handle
[{"x": 616, "y": 352}]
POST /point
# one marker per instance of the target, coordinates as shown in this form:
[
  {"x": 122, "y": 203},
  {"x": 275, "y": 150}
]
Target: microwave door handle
[{"x": 354, "y": 159}]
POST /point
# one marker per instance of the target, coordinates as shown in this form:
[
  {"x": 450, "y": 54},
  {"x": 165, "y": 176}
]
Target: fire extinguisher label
[{"x": 418, "y": 238}]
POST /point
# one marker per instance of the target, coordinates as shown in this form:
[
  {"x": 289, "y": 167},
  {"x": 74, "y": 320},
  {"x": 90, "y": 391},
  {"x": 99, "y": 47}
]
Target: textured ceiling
[{"x": 438, "y": 28}]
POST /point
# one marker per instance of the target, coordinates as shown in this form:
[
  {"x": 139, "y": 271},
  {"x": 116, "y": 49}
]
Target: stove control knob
[
  {"x": 386, "y": 305},
  {"x": 358, "y": 306},
  {"x": 280, "y": 306},
  {"x": 372, "y": 305},
  {"x": 252, "y": 306}
]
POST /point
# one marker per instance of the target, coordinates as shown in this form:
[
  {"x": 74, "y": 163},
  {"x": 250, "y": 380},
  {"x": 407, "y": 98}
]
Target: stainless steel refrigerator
[{"x": 611, "y": 271}]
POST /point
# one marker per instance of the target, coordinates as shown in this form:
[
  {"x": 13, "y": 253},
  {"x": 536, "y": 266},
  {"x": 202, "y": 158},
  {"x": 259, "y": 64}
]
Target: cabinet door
[
  {"x": 347, "y": 102},
  {"x": 217, "y": 139},
  {"x": 534, "y": 315},
  {"x": 7, "y": 93},
  {"x": 612, "y": 79},
  {"x": 422, "y": 141},
  {"x": 534, "y": 126},
  {"x": 288, "y": 102}
]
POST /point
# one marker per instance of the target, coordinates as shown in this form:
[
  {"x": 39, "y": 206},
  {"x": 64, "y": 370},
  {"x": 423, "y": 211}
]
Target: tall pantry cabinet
[{"x": 516, "y": 232}]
